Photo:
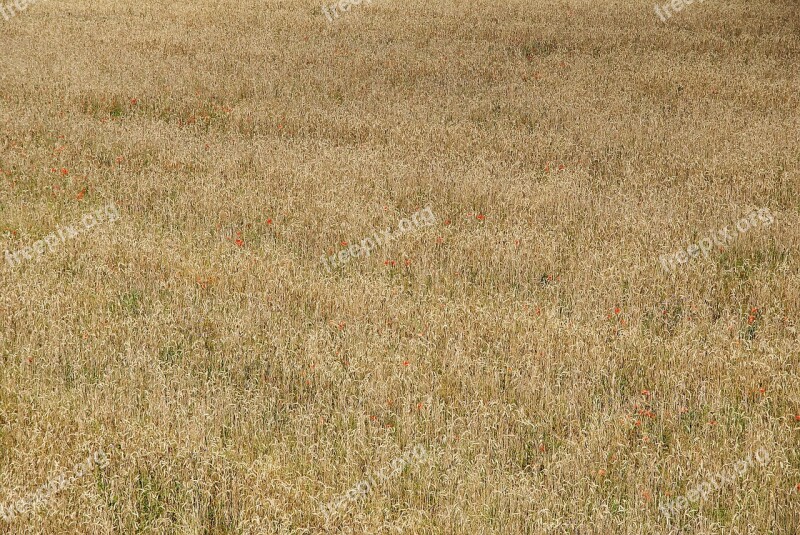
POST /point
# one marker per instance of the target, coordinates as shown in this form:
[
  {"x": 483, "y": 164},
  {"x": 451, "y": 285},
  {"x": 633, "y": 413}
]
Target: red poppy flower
[
  {"x": 480, "y": 217},
  {"x": 134, "y": 101}
]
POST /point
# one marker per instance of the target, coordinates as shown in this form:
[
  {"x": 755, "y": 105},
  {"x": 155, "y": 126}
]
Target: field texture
[{"x": 583, "y": 317}]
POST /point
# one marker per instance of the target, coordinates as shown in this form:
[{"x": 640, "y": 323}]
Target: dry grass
[{"x": 235, "y": 389}]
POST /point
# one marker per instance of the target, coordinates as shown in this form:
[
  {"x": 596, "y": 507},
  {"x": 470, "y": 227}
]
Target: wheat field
[{"x": 196, "y": 340}]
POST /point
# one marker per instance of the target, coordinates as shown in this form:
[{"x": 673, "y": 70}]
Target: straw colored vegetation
[{"x": 557, "y": 377}]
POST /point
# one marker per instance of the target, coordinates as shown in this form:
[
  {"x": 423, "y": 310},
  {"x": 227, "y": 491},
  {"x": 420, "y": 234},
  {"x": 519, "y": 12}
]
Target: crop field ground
[{"x": 192, "y": 361}]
